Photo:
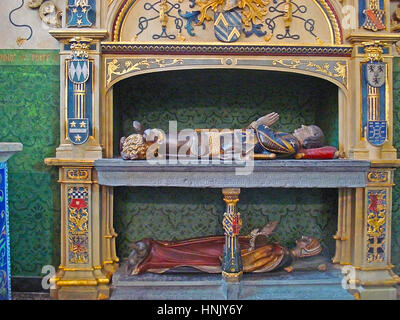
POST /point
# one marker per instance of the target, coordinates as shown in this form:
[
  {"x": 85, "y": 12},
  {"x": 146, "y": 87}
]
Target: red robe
[{"x": 201, "y": 253}]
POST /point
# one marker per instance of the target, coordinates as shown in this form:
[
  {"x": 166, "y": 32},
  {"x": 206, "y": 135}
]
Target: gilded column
[
  {"x": 81, "y": 274},
  {"x": 87, "y": 263},
  {"x": 371, "y": 274},
  {"x": 232, "y": 268}
]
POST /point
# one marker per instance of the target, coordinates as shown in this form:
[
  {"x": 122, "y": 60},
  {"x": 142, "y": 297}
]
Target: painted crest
[
  {"x": 377, "y": 132},
  {"x": 232, "y": 225},
  {"x": 78, "y": 70},
  {"x": 376, "y": 74},
  {"x": 374, "y": 19},
  {"x": 78, "y": 130},
  {"x": 78, "y": 13},
  {"x": 228, "y": 25}
]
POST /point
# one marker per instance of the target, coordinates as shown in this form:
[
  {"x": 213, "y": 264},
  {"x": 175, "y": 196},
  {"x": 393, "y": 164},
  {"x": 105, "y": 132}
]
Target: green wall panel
[
  {"x": 29, "y": 113},
  {"x": 396, "y": 191}
]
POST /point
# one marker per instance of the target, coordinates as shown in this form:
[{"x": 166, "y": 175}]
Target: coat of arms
[
  {"x": 78, "y": 73},
  {"x": 374, "y": 17},
  {"x": 78, "y": 130},
  {"x": 377, "y": 132},
  {"x": 375, "y": 74},
  {"x": 78, "y": 13},
  {"x": 228, "y": 25}
]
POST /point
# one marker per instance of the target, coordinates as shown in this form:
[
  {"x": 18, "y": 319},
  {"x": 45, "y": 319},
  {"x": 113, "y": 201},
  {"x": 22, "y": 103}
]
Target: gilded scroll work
[
  {"x": 77, "y": 174},
  {"x": 78, "y": 220},
  {"x": 376, "y": 225},
  {"x": 378, "y": 176},
  {"x": 115, "y": 69},
  {"x": 336, "y": 70},
  {"x": 312, "y": 22}
]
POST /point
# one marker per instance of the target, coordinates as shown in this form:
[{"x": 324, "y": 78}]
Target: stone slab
[
  {"x": 206, "y": 174},
  {"x": 299, "y": 285}
]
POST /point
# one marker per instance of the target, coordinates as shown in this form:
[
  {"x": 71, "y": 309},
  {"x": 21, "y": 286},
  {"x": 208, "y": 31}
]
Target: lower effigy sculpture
[
  {"x": 258, "y": 140},
  {"x": 258, "y": 252}
]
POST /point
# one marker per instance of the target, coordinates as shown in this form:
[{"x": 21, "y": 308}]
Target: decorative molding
[
  {"x": 226, "y": 49},
  {"x": 373, "y": 50},
  {"x": 67, "y": 34},
  {"x": 389, "y": 38},
  {"x": 77, "y": 225},
  {"x": 378, "y": 176},
  {"x": 376, "y": 225},
  {"x": 115, "y": 68},
  {"x": 336, "y": 70},
  {"x": 77, "y": 174}
]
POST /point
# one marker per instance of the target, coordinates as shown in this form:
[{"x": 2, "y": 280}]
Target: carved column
[
  {"x": 232, "y": 268},
  {"x": 366, "y": 255},
  {"x": 344, "y": 234},
  {"x": 87, "y": 237},
  {"x": 82, "y": 273},
  {"x": 371, "y": 273}
]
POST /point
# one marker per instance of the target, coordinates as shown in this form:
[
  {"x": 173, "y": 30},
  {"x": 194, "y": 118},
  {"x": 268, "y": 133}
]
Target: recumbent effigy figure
[
  {"x": 258, "y": 253},
  {"x": 306, "y": 142}
]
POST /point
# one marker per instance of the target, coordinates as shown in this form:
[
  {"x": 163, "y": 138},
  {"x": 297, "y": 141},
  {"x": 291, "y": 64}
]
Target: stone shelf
[
  {"x": 280, "y": 285},
  {"x": 7, "y": 149},
  {"x": 206, "y": 174}
]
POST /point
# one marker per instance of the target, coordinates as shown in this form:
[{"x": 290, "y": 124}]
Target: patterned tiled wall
[
  {"x": 396, "y": 192},
  {"x": 29, "y": 113}
]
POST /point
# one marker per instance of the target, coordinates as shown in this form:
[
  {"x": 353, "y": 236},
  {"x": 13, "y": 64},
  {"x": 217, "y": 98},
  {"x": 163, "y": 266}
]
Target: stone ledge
[
  {"x": 264, "y": 174},
  {"x": 7, "y": 149}
]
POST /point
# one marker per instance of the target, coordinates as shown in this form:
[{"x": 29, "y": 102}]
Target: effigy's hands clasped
[{"x": 268, "y": 120}]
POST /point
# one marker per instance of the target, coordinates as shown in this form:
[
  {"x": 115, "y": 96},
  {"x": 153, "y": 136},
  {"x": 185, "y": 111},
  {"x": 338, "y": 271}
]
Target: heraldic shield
[
  {"x": 78, "y": 71},
  {"x": 377, "y": 132},
  {"x": 375, "y": 74},
  {"x": 228, "y": 25},
  {"x": 78, "y": 130}
]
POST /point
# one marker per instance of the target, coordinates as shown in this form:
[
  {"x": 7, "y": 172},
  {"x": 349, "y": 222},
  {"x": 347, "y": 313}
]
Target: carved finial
[
  {"x": 374, "y": 50},
  {"x": 80, "y": 47}
]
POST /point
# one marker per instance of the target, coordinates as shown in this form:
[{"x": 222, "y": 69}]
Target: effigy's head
[{"x": 310, "y": 136}]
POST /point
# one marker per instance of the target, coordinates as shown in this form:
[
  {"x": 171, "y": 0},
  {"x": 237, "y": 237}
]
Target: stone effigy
[
  {"x": 258, "y": 253},
  {"x": 258, "y": 140}
]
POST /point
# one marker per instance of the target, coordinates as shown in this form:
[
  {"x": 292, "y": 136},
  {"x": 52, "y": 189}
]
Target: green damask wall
[
  {"x": 396, "y": 191},
  {"x": 29, "y": 113},
  {"x": 223, "y": 99}
]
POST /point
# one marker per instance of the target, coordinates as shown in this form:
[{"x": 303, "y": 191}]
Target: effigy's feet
[{"x": 139, "y": 253}]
